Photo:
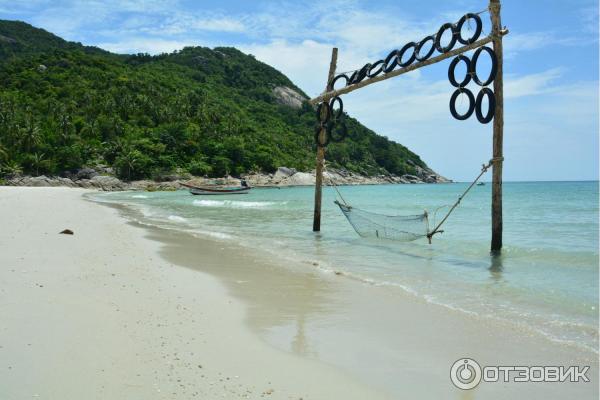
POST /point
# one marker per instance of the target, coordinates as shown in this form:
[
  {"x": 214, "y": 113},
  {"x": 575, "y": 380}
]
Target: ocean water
[{"x": 545, "y": 281}]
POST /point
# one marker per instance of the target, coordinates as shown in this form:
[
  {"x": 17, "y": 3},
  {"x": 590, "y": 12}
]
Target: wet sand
[
  {"x": 384, "y": 337},
  {"x": 120, "y": 310}
]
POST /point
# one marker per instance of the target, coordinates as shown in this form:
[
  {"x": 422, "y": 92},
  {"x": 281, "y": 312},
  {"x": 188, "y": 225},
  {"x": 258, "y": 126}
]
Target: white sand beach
[
  {"x": 112, "y": 312},
  {"x": 100, "y": 315}
]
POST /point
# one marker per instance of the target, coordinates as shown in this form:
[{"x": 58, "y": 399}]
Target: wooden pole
[
  {"x": 496, "y": 244},
  {"x": 321, "y": 149}
]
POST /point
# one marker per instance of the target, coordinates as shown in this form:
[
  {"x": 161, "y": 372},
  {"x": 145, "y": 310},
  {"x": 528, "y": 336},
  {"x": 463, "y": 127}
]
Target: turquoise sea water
[{"x": 546, "y": 280}]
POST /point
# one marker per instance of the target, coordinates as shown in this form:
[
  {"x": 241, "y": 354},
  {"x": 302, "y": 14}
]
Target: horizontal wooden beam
[{"x": 347, "y": 89}]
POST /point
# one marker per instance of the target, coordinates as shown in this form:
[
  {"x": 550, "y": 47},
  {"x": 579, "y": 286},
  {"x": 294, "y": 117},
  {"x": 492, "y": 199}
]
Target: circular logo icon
[{"x": 465, "y": 373}]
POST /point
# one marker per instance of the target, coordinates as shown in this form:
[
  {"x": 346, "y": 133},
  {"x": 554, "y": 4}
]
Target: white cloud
[
  {"x": 303, "y": 62},
  {"x": 542, "y": 111},
  {"x": 531, "y": 84},
  {"x": 144, "y": 45},
  {"x": 589, "y": 19},
  {"x": 73, "y": 19},
  {"x": 219, "y": 24},
  {"x": 361, "y": 37},
  {"x": 177, "y": 24},
  {"x": 516, "y": 43}
]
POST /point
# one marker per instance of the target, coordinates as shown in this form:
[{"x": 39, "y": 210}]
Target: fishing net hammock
[
  {"x": 402, "y": 228},
  {"x": 394, "y": 227}
]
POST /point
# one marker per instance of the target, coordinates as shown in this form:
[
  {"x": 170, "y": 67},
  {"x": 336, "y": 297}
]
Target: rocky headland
[{"x": 102, "y": 179}]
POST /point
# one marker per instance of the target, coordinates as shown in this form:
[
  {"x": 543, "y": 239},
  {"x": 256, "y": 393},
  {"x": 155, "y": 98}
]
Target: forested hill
[{"x": 214, "y": 112}]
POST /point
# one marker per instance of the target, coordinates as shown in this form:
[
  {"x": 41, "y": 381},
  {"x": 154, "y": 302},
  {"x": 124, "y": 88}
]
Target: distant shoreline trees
[{"x": 206, "y": 112}]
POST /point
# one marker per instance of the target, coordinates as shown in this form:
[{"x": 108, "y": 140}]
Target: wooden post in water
[
  {"x": 321, "y": 149},
  {"x": 496, "y": 244}
]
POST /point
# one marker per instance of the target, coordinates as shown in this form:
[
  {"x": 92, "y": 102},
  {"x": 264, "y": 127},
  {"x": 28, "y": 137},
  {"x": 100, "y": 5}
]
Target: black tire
[
  {"x": 469, "y": 112},
  {"x": 494, "y": 70},
  {"x": 452, "y": 68},
  {"x": 352, "y": 77},
  {"x": 336, "y": 114},
  {"x": 404, "y": 49},
  {"x": 478, "y": 28},
  {"x": 419, "y": 47},
  {"x": 491, "y": 105},
  {"x": 360, "y": 74},
  {"x": 317, "y": 131},
  {"x": 390, "y": 62},
  {"x": 440, "y": 33},
  {"x": 376, "y": 69},
  {"x": 338, "y": 135},
  {"x": 325, "y": 117},
  {"x": 340, "y": 76}
]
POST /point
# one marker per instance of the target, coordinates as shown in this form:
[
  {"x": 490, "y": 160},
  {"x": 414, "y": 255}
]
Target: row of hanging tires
[
  {"x": 328, "y": 116},
  {"x": 414, "y": 51},
  {"x": 475, "y": 103},
  {"x": 332, "y": 120}
]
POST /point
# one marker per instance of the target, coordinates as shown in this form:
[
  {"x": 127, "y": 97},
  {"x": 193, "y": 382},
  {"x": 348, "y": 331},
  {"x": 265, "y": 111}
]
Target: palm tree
[
  {"x": 29, "y": 135},
  {"x": 129, "y": 160},
  {"x": 3, "y": 152},
  {"x": 65, "y": 125},
  {"x": 11, "y": 168},
  {"x": 37, "y": 160}
]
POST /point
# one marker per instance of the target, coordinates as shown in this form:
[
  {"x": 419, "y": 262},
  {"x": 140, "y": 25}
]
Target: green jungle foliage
[{"x": 64, "y": 106}]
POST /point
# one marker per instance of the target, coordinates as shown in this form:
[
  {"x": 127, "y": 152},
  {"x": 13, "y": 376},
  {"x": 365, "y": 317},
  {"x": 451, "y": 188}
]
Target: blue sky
[{"x": 551, "y": 66}]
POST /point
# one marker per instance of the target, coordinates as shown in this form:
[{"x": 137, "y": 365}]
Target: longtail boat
[{"x": 198, "y": 190}]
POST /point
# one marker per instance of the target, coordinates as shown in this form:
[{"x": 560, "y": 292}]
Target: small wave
[
  {"x": 235, "y": 203},
  {"x": 324, "y": 267},
  {"x": 145, "y": 211},
  {"x": 176, "y": 218},
  {"x": 433, "y": 300},
  {"x": 139, "y": 196},
  {"x": 216, "y": 235},
  {"x": 520, "y": 323}
]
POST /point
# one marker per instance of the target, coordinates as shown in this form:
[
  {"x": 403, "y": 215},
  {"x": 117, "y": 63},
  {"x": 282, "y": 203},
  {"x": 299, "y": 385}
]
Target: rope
[
  {"x": 484, "y": 169},
  {"x": 344, "y": 72},
  {"x": 436, "y": 211},
  {"x": 332, "y": 181}
]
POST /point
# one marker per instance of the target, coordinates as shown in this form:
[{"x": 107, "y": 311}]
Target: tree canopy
[{"x": 204, "y": 111}]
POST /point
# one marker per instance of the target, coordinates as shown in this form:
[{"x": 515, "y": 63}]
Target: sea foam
[
  {"x": 176, "y": 218},
  {"x": 213, "y": 234},
  {"x": 235, "y": 203}
]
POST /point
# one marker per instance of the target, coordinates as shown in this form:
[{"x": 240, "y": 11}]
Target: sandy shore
[
  {"x": 100, "y": 315},
  {"x": 111, "y": 313}
]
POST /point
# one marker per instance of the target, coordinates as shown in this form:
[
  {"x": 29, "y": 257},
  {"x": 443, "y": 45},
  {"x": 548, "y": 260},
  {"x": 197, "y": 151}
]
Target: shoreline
[
  {"x": 101, "y": 315},
  {"x": 352, "y": 301},
  {"x": 137, "y": 218},
  {"x": 354, "y": 339}
]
